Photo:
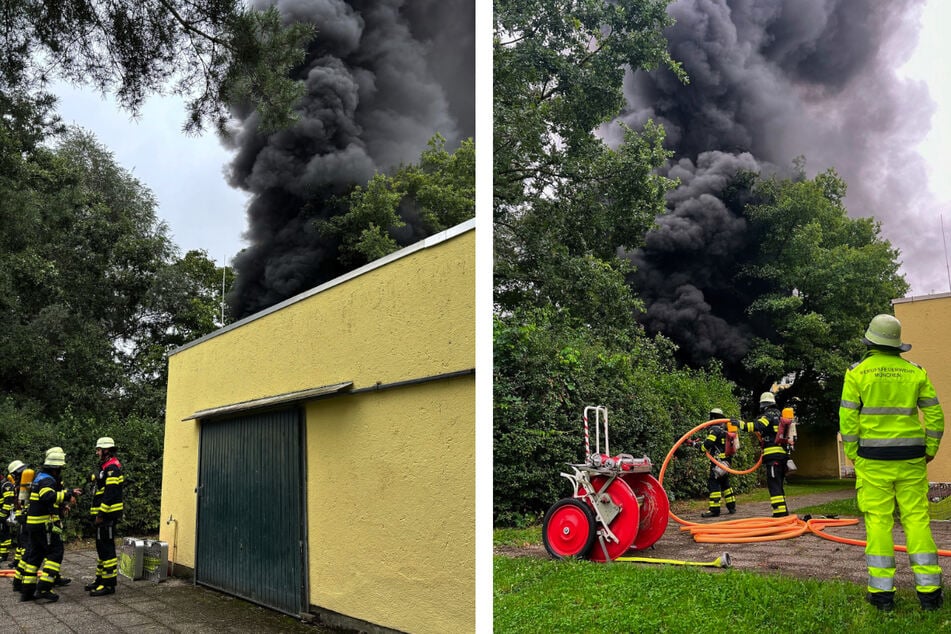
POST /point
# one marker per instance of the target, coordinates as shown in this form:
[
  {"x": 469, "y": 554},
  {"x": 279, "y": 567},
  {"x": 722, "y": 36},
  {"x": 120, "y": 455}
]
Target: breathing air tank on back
[
  {"x": 23, "y": 495},
  {"x": 787, "y": 435}
]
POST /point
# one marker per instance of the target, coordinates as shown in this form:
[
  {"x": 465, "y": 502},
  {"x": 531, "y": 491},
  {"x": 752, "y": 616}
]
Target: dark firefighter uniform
[
  {"x": 106, "y": 512},
  {"x": 718, "y": 481},
  {"x": 8, "y": 494},
  {"x": 774, "y": 453},
  {"x": 23, "y": 539},
  {"x": 882, "y": 435},
  {"x": 47, "y": 495}
]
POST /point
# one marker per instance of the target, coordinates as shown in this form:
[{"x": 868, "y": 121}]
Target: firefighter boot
[
  {"x": 731, "y": 508},
  {"x": 102, "y": 591},
  {"x": 931, "y": 600},
  {"x": 89, "y": 587},
  {"x": 711, "y": 513},
  {"x": 883, "y": 601},
  {"x": 27, "y": 592},
  {"x": 47, "y": 595},
  {"x": 62, "y": 581}
]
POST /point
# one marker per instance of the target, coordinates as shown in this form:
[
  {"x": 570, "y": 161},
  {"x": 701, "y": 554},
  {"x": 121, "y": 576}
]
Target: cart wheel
[
  {"x": 568, "y": 529},
  {"x": 624, "y": 526},
  {"x": 654, "y": 509}
]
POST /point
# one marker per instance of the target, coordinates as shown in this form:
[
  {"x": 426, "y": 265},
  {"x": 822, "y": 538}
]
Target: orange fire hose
[{"x": 757, "y": 529}]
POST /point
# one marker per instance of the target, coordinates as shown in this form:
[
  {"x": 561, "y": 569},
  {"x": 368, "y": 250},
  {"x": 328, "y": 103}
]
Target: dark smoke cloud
[
  {"x": 771, "y": 80},
  {"x": 684, "y": 268},
  {"x": 382, "y": 77}
]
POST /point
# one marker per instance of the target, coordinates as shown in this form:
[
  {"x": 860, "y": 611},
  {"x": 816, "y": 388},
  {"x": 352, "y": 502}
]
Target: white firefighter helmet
[
  {"x": 767, "y": 397},
  {"x": 885, "y": 330},
  {"x": 105, "y": 443},
  {"x": 55, "y": 459},
  {"x": 16, "y": 464}
]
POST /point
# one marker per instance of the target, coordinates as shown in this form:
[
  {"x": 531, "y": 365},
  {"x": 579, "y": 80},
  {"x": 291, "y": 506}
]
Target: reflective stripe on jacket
[
  {"x": 715, "y": 442},
  {"x": 108, "y": 498},
  {"x": 767, "y": 426},
  {"x": 878, "y": 413},
  {"x": 46, "y": 495}
]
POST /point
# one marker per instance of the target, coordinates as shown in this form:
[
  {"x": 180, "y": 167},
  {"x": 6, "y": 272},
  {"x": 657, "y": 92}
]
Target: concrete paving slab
[{"x": 142, "y": 606}]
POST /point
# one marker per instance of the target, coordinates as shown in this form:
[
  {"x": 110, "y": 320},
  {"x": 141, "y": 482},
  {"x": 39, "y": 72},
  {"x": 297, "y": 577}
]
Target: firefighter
[
  {"x": 774, "y": 452},
  {"x": 884, "y": 438},
  {"x": 20, "y": 505},
  {"x": 24, "y": 540},
  {"x": 62, "y": 510},
  {"x": 46, "y": 542},
  {"x": 718, "y": 482},
  {"x": 8, "y": 495},
  {"x": 106, "y": 511}
]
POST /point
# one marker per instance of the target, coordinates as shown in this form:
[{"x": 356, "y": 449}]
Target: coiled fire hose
[{"x": 757, "y": 529}]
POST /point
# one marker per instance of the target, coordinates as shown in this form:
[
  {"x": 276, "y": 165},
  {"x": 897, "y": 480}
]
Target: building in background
[
  {"x": 926, "y": 325},
  {"x": 320, "y": 455}
]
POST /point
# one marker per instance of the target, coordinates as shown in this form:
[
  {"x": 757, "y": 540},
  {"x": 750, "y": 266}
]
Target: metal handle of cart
[{"x": 600, "y": 419}]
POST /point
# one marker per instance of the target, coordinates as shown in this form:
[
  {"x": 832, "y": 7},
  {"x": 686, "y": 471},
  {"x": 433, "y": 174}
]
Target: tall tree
[
  {"x": 395, "y": 210},
  {"x": 184, "y": 301},
  {"x": 566, "y": 204},
  {"x": 824, "y": 276},
  {"x": 93, "y": 293},
  {"x": 213, "y": 52},
  {"x": 565, "y": 200}
]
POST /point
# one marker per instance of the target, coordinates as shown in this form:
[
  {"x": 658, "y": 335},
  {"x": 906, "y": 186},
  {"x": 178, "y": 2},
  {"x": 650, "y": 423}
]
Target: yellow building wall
[
  {"x": 926, "y": 325},
  {"x": 391, "y": 520},
  {"x": 815, "y": 453},
  {"x": 410, "y": 318}
]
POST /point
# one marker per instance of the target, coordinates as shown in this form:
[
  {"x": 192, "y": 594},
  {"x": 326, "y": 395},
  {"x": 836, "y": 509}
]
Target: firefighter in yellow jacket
[{"x": 883, "y": 436}]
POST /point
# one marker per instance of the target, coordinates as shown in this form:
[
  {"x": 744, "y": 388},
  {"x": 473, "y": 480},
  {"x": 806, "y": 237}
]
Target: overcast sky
[
  {"x": 186, "y": 173},
  {"x": 204, "y": 212},
  {"x": 929, "y": 64}
]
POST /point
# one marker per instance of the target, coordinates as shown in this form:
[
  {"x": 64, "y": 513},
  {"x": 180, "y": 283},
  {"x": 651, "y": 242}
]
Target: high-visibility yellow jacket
[{"x": 878, "y": 413}]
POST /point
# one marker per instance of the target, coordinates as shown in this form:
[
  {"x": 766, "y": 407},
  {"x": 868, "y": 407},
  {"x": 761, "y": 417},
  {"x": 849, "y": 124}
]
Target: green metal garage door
[{"x": 251, "y": 539}]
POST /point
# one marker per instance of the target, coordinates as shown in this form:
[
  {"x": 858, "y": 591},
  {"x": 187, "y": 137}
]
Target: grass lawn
[{"x": 546, "y": 595}]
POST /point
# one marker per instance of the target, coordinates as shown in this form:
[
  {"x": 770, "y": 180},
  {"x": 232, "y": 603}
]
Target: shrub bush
[
  {"x": 26, "y": 437},
  {"x": 546, "y": 372}
]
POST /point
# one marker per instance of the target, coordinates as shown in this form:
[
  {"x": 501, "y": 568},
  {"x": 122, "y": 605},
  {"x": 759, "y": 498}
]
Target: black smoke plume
[
  {"x": 772, "y": 80},
  {"x": 382, "y": 77}
]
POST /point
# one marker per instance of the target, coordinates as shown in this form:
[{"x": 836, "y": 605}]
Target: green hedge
[
  {"x": 24, "y": 436},
  {"x": 546, "y": 372}
]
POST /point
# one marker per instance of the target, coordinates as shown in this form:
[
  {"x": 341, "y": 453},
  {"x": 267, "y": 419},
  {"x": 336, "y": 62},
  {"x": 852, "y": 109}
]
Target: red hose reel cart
[{"x": 617, "y": 505}]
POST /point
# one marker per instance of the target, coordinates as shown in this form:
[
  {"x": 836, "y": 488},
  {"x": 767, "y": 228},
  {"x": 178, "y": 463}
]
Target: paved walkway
[
  {"x": 807, "y": 556},
  {"x": 140, "y": 606}
]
